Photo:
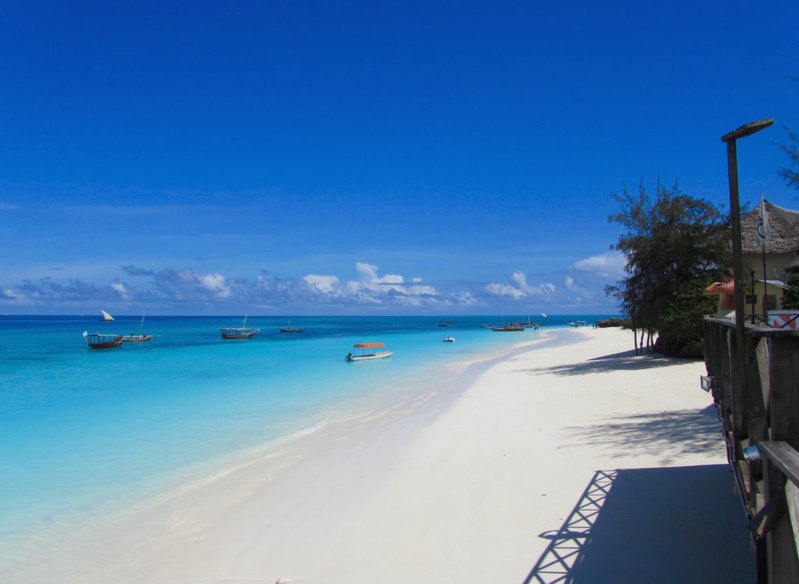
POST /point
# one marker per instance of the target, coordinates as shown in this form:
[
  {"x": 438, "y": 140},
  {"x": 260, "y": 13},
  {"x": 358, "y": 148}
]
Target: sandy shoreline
[{"x": 462, "y": 493}]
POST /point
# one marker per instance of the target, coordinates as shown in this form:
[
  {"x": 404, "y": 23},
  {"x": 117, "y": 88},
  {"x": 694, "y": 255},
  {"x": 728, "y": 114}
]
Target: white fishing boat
[
  {"x": 241, "y": 332},
  {"x": 106, "y": 317},
  {"x": 368, "y": 352},
  {"x": 140, "y": 337}
]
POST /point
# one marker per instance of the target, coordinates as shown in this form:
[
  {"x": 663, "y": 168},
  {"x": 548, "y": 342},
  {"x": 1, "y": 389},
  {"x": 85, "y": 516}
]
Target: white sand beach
[{"x": 576, "y": 459}]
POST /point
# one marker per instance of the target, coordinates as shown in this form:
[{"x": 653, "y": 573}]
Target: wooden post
[{"x": 738, "y": 372}]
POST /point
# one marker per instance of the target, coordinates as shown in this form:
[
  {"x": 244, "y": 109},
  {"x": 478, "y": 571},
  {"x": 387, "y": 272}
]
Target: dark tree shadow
[
  {"x": 654, "y": 525},
  {"x": 625, "y": 361},
  {"x": 667, "y": 435}
]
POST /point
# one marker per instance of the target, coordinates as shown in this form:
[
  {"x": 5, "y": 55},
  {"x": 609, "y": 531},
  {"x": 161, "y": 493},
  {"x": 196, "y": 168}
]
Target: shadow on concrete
[{"x": 654, "y": 525}]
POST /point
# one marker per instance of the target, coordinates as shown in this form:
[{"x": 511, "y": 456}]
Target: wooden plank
[
  {"x": 784, "y": 395},
  {"x": 784, "y": 457},
  {"x": 792, "y": 496}
]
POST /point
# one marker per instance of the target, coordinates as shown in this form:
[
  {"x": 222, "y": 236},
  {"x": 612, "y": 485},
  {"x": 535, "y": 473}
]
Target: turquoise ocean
[{"x": 85, "y": 430}]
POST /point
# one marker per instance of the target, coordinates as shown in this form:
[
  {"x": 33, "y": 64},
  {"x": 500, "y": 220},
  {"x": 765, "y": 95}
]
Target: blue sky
[{"x": 365, "y": 157}]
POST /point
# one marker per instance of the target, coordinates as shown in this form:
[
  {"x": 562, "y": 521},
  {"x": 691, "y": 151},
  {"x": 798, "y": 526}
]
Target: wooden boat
[
  {"x": 102, "y": 340},
  {"x": 241, "y": 332},
  {"x": 106, "y": 317},
  {"x": 514, "y": 326},
  {"x": 291, "y": 329},
  {"x": 140, "y": 337},
  {"x": 368, "y": 352}
]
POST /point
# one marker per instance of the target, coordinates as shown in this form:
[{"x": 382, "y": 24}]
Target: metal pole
[{"x": 765, "y": 290}]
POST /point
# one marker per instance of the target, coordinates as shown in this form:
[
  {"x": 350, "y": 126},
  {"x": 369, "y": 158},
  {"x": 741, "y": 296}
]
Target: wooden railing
[{"x": 758, "y": 405}]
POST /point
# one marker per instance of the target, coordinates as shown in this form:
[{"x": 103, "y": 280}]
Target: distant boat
[
  {"x": 368, "y": 352},
  {"x": 506, "y": 327},
  {"x": 106, "y": 317},
  {"x": 578, "y": 323},
  {"x": 241, "y": 332},
  {"x": 514, "y": 326},
  {"x": 449, "y": 340},
  {"x": 445, "y": 323},
  {"x": 291, "y": 329},
  {"x": 102, "y": 340},
  {"x": 141, "y": 337}
]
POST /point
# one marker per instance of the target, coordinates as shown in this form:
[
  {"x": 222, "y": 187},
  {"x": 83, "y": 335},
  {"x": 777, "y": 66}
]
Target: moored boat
[
  {"x": 140, "y": 337},
  {"x": 102, "y": 340},
  {"x": 241, "y": 332},
  {"x": 514, "y": 326},
  {"x": 368, "y": 352},
  {"x": 291, "y": 329}
]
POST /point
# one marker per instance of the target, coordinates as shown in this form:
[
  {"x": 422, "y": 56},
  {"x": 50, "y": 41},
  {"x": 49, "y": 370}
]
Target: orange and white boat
[{"x": 368, "y": 352}]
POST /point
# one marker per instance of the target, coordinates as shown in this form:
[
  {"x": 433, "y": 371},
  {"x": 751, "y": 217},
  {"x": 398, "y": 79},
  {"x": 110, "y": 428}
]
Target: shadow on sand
[
  {"x": 624, "y": 361},
  {"x": 679, "y": 524},
  {"x": 666, "y": 435}
]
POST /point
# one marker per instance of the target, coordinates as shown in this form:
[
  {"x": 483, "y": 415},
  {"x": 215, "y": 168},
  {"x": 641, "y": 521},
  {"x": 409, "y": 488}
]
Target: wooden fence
[{"x": 758, "y": 406}]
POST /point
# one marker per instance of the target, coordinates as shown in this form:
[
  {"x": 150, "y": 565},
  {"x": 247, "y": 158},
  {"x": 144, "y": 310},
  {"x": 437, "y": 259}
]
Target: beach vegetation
[
  {"x": 674, "y": 244},
  {"x": 791, "y": 149},
  {"x": 790, "y": 299}
]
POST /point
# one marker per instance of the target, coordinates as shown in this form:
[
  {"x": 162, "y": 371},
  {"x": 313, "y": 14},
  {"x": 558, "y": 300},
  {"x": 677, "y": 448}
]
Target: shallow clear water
[{"x": 82, "y": 429}]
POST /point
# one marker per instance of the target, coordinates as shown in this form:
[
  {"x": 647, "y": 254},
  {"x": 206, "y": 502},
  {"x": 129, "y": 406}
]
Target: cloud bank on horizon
[{"x": 188, "y": 291}]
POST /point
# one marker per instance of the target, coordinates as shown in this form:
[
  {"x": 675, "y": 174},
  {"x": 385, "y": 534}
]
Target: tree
[
  {"x": 790, "y": 299},
  {"x": 673, "y": 244},
  {"x": 791, "y": 150}
]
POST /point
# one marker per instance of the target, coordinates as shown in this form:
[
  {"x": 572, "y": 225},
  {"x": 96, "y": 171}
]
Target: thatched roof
[{"x": 784, "y": 226}]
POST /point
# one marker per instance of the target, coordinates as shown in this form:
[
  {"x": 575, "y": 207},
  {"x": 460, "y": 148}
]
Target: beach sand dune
[{"x": 574, "y": 459}]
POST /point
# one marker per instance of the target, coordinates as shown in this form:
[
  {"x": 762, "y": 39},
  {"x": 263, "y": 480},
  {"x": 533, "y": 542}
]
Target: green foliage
[
  {"x": 680, "y": 330},
  {"x": 673, "y": 244},
  {"x": 790, "y": 300},
  {"x": 791, "y": 150}
]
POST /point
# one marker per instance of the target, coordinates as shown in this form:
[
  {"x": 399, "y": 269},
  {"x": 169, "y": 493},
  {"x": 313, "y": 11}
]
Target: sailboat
[
  {"x": 241, "y": 332},
  {"x": 291, "y": 329},
  {"x": 141, "y": 337},
  {"x": 106, "y": 317},
  {"x": 506, "y": 327}
]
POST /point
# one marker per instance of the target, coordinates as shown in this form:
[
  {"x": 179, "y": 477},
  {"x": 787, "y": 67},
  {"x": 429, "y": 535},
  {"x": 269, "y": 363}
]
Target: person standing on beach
[{"x": 726, "y": 293}]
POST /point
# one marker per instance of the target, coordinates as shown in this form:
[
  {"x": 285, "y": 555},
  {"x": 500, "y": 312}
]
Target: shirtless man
[{"x": 726, "y": 293}]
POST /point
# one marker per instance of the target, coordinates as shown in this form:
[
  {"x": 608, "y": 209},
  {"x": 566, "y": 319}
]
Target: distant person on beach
[{"x": 726, "y": 293}]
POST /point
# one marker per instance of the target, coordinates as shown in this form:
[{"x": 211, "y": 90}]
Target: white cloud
[
  {"x": 215, "y": 283},
  {"x": 422, "y": 291},
  {"x": 520, "y": 287},
  {"x": 120, "y": 288},
  {"x": 609, "y": 265},
  {"x": 324, "y": 284},
  {"x": 465, "y": 298},
  {"x": 11, "y": 297},
  {"x": 504, "y": 290}
]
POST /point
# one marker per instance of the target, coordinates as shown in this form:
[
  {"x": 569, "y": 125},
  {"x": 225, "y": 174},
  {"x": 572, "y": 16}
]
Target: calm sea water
[{"x": 81, "y": 430}]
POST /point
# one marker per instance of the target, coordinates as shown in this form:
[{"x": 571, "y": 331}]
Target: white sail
[{"x": 106, "y": 317}]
